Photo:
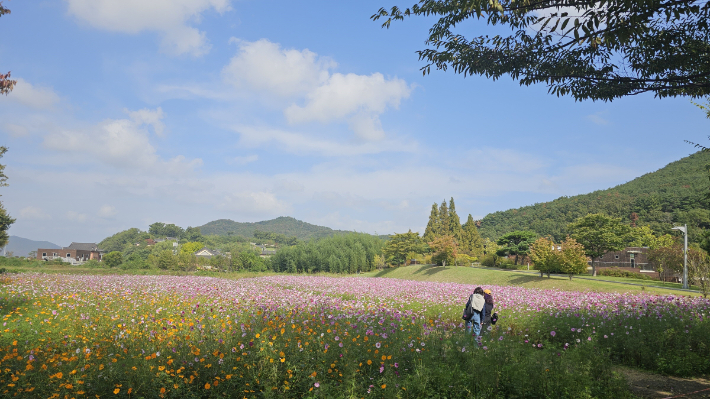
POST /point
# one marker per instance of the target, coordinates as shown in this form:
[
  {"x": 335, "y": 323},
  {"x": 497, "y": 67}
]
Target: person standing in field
[
  {"x": 477, "y": 309},
  {"x": 488, "y": 307}
]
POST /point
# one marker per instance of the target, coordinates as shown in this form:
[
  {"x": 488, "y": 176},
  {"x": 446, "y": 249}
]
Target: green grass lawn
[{"x": 485, "y": 276}]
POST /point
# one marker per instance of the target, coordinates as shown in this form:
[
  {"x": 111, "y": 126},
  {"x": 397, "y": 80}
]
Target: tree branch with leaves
[{"x": 598, "y": 50}]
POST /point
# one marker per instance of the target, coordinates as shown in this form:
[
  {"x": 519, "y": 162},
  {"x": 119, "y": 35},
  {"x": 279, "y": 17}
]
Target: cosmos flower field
[{"x": 81, "y": 336}]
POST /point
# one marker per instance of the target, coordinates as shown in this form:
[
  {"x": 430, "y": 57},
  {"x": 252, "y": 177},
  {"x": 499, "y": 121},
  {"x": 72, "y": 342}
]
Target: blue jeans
[{"x": 474, "y": 325}]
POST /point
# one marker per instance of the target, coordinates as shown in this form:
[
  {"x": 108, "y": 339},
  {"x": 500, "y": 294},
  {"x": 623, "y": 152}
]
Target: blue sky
[{"x": 186, "y": 111}]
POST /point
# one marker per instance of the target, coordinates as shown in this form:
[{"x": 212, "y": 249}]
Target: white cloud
[
  {"x": 121, "y": 143},
  {"x": 16, "y": 130},
  {"x": 303, "y": 144},
  {"x": 263, "y": 65},
  {"x": 598, "y": 119},
  {"x": 170, "y": 18},
  {"x": 246, "y": 159},
  {"x": 33, "y": 213},
  {"x": 107, "y": 211},
  {"x": 503, "y": 160},
  {"x": 261, "y": 202},
  {"x": 32, "y": 96},
  {"x": 304, "y": 77},
  {"x": 344, "y": 95},
  {"x": 367, "y": 127},
  {"x": 76, "y": 216},
  {"x": 149, "y": 117}
]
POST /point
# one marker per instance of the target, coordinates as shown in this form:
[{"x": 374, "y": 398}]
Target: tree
[
  {"x": 599, "y": 50},
  {"x": 433, "y": 228},
  {"x": 397, "y": 247},
  {"x": 699, "y": 269},
  {"x": 121, "y": 240},
  {"x": 599, "y": 234},
  {"x": 573, "y": 260},
  {"x": 6, "y": 85},
  {"x": 5, "y": 220},
  {"x": 156, "y": 229},
  {"x": 445, "y": 250},
  {"x": 471, "y": 241},
  {"x": 667, "y": 259},
  {"x": 166, "y": 260},
  {"x": 444, "y": 222},
  {"x": 113, "y": 259},
  {"x": 191, "y": 247},
  {"x": 192, "y": 234},
  {"x": 543, "y": 255},
  {"x": 454, "y": 222},
  {"x": 516, "y": 243}
]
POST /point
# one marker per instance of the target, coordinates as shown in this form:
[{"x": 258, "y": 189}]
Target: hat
[{"x": 487, "y": 291}]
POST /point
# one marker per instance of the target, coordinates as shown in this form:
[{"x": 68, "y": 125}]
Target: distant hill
[
  {"x": 22, "y": 246},
  {"x": 284, "y": 225},
  {"x": 673, "y": 195}
]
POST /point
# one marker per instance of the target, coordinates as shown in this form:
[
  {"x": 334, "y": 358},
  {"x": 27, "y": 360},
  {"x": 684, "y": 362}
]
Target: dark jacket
[{"x": 489, "y": 309}]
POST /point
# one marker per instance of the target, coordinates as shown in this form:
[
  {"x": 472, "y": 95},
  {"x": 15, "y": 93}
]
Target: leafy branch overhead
[
  {"x": 6, "y": 85},
  {"x": 599, "y": 50}
]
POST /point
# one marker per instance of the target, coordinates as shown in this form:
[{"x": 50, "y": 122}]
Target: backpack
[{"x": 468, "y": 310}]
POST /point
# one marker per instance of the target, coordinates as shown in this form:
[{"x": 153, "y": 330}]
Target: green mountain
[
  {"x": 674, "y": 195},
  {"x": 285, "y": 225}
]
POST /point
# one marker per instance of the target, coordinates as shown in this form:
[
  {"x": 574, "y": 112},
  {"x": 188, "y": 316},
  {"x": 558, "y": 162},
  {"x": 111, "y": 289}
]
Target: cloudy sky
[{"x": 128, "y": 112}]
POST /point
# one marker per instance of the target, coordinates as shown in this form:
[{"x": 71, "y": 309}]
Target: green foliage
[
  {"x": 543, "y": 253},
  {"x": 122, "y": 240},
  {"x": 673, "y": 195},
  {"x": 699, "y": 269},
  {"x": 350, "y": 253},
  {"x": 616, "y": 272},
  {"x": 587, "y": 49},
  {"x": 433, "y": 227},
  {"x": 113, "y": 259},
  {"x": 455, "y": 228},
  {"x": 491, "y": 260},
  {"x": 515, "y": 243},
  {"x": 572, "y": 258},
  {"x": 191, "y": 247},
  {"x": 267, "y": 236},
  {"x": 400, "y": 245},
  {"x": 5, "y": 219},
  {"x": 166, "y": 260},
  {"x": 287, "y": 226},
  {"x": 600, "y": 234},
  {"x": 445, "y": 250},
  {"x": 471, "y": 242},
  {"x": 251, "y": 262},
  {"x": 192, "y": 234},
  {"x": 667, "y": 259},
  {"x": 5, "y": 222},
  {"x": 158, "y": 229}
]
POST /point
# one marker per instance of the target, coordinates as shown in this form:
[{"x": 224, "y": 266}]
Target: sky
[{"x": 132, "y": 112}]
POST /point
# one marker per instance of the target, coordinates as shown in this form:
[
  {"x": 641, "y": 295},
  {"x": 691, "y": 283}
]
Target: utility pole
[{"x": 684, "y": 229}]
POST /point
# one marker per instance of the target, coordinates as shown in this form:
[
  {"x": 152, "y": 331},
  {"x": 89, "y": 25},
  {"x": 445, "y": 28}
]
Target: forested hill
[
  {"x": 675, "y": 194},
  {"x": 285, "y": 225}
]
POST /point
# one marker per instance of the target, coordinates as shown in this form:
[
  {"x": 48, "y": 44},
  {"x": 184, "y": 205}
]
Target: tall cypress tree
[
  {"x": 454, "y": 222},
  {"x": 472, "y": 241},
  {"x": 433, "y": 228},
  {"x": 444, "y": 219}
]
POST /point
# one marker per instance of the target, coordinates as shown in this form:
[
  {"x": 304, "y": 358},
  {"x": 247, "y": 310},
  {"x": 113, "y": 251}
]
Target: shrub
[
  {"x": 490, "y": 260},
  {"x": 616, "y": 272}
]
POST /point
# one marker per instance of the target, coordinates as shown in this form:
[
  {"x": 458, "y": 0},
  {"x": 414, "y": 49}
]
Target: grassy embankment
[{"x": 485, "y": 276}]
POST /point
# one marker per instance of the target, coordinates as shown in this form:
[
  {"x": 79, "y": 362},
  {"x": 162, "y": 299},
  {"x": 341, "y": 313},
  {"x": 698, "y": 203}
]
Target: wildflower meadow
[{"x": 86, "y": 336}]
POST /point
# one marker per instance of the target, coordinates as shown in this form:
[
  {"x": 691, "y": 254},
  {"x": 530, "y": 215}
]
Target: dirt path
[{"x": 655, "y": 386}]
